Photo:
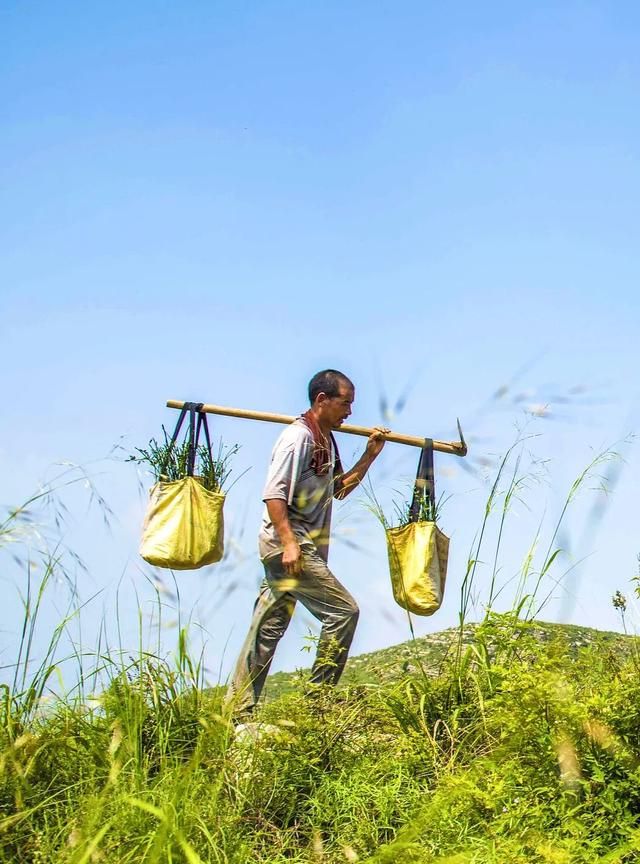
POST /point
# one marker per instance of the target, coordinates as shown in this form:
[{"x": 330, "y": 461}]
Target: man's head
[{"x": 331, "y": 394}]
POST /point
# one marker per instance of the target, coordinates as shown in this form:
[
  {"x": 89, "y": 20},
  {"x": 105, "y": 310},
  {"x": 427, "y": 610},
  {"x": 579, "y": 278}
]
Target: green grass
[
  {"x": 430, "y": 653},
  {"x": 533, "y": 755},
  {"x": 168, "y": 462},
  {"x": 505, "y": 741}
]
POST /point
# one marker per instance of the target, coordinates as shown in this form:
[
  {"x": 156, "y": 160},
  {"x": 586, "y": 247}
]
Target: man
[{"x": 304, "y": 476}]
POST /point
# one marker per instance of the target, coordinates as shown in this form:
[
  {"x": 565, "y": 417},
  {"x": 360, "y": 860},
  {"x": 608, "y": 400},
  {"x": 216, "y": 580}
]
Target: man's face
[{"x": 336, "y": 409}]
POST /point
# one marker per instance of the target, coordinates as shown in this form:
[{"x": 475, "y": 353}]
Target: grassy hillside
[
  {"x": 516, "y": 743},
  {"x": 428, "y": 653},
  {"x": 506, "y": 742}
]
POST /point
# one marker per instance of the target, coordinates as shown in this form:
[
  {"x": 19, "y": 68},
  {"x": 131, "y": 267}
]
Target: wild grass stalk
[
  {"x": 168, "y": 461},
  {"x": 590, "y": 472},
  {"x": 498, "y": 637},
  {"x": 534, "y": 760},
  {"x": 474, "y": 559}
]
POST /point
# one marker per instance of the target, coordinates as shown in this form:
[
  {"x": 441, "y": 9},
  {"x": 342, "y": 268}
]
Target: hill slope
[
  {"x": 429, "y": 652},
  {"x": 521, "y": 748}
]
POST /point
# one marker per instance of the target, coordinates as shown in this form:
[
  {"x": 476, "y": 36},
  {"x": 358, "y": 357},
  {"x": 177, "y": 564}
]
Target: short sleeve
[{"x": 284, "y": 470}]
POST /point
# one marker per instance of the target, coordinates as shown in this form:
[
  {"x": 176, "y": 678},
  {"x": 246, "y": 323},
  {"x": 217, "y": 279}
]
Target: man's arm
[
  {"x": 278, "y": 511},
  {"x": 350, "y": 479}
]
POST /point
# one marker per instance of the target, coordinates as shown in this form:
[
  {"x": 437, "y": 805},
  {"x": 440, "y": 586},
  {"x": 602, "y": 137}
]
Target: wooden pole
[{"x": 457, "y": 448}]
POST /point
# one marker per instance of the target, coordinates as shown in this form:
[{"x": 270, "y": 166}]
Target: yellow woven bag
[
  {"x": 184, "y": 525},
  {"x": 419, "y": 551},
  {"x": 418, "y": 555}
]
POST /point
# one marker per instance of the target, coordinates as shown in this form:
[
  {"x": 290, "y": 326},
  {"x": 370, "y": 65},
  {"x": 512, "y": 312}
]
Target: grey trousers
[{"x": 320, "y": 592}]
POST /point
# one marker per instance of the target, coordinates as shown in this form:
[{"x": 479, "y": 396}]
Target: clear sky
[{"x": 212, "y": 201}]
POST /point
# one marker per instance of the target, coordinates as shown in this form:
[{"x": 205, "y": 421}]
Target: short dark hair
[{"x": 328, "y": 381}]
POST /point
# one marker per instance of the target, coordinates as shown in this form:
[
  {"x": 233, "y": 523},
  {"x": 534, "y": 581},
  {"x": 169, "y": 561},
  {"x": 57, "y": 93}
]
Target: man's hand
[
  {"x": 376, "y": 441},
  {"x": 292, "y": 558},
  {"x": 291, "y": 552}
]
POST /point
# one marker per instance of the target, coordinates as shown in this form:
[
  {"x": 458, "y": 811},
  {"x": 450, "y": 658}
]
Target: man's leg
[
  {"x": 320, "y": 592},
  {"x": 271, "y": 615}
]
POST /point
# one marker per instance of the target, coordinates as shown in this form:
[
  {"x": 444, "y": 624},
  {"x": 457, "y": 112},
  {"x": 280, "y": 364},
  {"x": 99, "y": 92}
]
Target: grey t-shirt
[{"x": 308, "y": 495}]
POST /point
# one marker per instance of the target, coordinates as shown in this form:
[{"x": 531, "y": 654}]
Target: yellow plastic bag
[
  {"x": 418, "y": 556},
  {"x": 184, "y": 525}
]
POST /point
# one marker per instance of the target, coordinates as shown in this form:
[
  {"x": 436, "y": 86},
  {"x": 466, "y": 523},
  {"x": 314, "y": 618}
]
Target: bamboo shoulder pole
[{"x": 458, "y": 448}]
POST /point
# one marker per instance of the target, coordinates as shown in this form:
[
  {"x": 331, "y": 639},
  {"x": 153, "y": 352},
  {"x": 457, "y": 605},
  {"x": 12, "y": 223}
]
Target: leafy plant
[
  {"x": 513, "y": 742},
  {"x": 169, "y": 462},
  {"x": 428, "y": 510}
]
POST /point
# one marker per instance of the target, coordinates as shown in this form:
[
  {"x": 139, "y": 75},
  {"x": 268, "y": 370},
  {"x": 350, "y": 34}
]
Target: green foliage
[
  {"x": 505, "y": 742},
  {"x": 428, "y": 510},
  {"x": 169, "y": 462},
  {"x": 536, "y": 759}
]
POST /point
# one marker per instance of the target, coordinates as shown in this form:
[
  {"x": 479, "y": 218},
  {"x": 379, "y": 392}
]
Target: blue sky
[{"x": 212, "y": 201}]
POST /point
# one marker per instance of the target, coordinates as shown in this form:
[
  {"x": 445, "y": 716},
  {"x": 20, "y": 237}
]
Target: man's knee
[
  {"x": 350, "y": 614},
  {"x": 273, "y": 626}
]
